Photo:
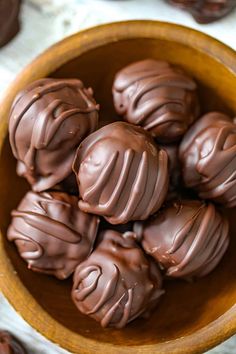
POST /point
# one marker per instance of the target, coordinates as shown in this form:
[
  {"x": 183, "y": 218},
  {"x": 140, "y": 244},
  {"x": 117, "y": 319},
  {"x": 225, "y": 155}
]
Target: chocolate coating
[
  {"x": 51, "y": 233},
  {"x": 9, "y": 20},
  {"x": 188, "y": 238},
  {"x": 48, "y": 121},
  {"x": 117, "y": 283},
  {"x": 9, "y": 344},
  {"x": 206, "y": 11},
  {"x": 208, "y": 157},
  {"x": 121, "y": 173},
  {"x": 157, "y": 96}
]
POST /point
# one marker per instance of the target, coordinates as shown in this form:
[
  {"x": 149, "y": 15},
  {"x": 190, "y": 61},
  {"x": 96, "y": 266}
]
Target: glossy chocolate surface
[
  {"x": 188, "y": 238},
  {"x": 51, "y": 233},
  {"x": 121, "y": 173},
  {"x": 157, "y": 96},
  {"x": 48, "y": 121},
  {"x": 117, "y": 283},
  {"x": 206, "y": 11},
  {"x": 9, "y": 20},
  {"x": 208, "y": 157},
  {"x": 9, "y": 344}
]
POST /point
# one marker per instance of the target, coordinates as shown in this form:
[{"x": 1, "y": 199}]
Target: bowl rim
[{"x": 66, "y": 50}]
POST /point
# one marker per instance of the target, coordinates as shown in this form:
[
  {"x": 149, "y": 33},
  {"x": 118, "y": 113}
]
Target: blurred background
[{"x": 44, "y": 22}]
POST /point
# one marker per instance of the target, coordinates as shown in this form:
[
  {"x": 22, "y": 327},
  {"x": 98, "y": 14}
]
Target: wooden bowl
[{"x": 191, "y": 318}]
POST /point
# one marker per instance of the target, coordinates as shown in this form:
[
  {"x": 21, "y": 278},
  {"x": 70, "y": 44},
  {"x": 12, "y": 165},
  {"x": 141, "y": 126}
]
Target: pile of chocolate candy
[{"x": 112, "y": 205}]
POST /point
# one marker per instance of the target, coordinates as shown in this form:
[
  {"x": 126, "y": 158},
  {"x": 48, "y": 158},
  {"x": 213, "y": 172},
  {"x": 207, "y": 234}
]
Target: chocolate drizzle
[
  {"x": 48, "y": 121},
  {"x": 121, "y": 174},
  {"x": 188, "y": 238},
  {"x": 208, "y": 157},
  {"x": 52, "y": 235},
  {"x": 156, "y": 96},
  {"x": 206, "y": 11},
  {"x": 117, "y": 283}
]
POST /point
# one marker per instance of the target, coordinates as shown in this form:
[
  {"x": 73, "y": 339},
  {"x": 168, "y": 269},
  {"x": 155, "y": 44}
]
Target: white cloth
[{"x": 43, "y": 23}]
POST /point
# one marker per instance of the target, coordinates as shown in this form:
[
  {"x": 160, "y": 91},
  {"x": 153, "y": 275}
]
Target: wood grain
[{"x": 191, "y": 317}]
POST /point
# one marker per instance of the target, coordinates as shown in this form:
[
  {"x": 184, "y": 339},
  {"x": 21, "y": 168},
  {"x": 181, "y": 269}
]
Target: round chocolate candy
[
  {"x": 208, "y": 157},
  {"x": 51, "y": 233},
  {"x": 206, "y": 11},
  {"x": 9, "y": 344},
  {"x": 116, "y": 283},
  {"x": 157, "y": 96},
  {"x": 188, "y": 238},
  {"x": 121, "y": 173},
  {"x": 9, "y": 20},
  {"x": 48, "y": 121}
]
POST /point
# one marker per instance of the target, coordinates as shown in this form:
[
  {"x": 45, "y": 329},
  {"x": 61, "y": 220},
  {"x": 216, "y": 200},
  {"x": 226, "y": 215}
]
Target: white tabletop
[{"x": 43, "y": 23}]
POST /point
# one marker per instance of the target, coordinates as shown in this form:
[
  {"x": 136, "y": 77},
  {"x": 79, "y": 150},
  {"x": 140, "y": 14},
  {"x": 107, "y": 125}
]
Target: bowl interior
[{"x": 185, "y": 307}]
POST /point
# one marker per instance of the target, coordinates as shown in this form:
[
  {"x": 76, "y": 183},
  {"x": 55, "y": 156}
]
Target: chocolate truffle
[
  {"x": 208, "y": 157},
  {"x": 51, "y": 233},
  {"x": 157, "y": 96},
  {"x": 188, "y": 238},
  {"x": 9, "y": 344},
  {"x": 121, "y": 173},
  {"x": 9, "y": 20},
  {"x": 48, "y": 121},
  {"x": 206, "y": 11},
  {"x": 117, "y": 283}
]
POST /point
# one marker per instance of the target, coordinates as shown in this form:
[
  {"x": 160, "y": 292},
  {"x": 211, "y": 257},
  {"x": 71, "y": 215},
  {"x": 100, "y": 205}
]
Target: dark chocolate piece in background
[
  {"x": 121, "y": 173},
  {"x": 9, "y": 20},
  {"x": 117, "y": 282},
  {"x": 206, "y": 11},
  {"x": 157, "y": 96},
  {"x": 9, "y": 344},
  {"x": 208, "y": 157},
  {"x": 47, "y": 122},
  {"x": 51, "y": 233},
  {"x": 188, "y": 238}
]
